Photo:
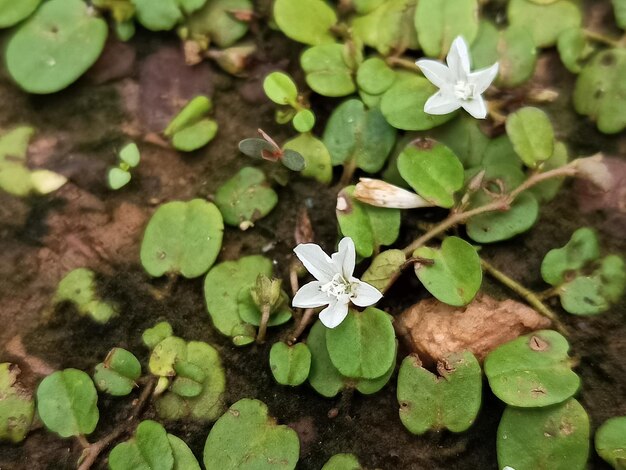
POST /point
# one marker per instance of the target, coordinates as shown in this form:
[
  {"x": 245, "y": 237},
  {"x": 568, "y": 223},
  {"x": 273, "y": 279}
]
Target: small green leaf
[
  {"x": 305, "y": 21},
  {"x": 118, "y": 178},
  {"x": 153, "y": 336},
  {"x": 374, "y": 76},
  {"x": 17, "y": 406},
  {"x": 216, "y": 23},
  {"x": 280, "y": 88},
  {"x": 149, "y": 449},
  {"x": 14, "y": 143},
  {"x": 455, "y": 275},
  {"x": 12, "y": 12},
  {"x": 619, "y": 7},
  {"x": 290, "y": 364},
  {"x": 293, "y": 160},
  {"x": 363, "y": 345},
  {"x": 255, "y": 148},
  {"x": 183, "y": 456},
  {"x": 610, "y": 442},
  {"x": 343, "y": 462},
  {"x": 79, "y": 287},
  {"x": 245, "y": 198},
  {"x": 532, "y": 135},
  {"x": 55, "y": 46},
  {"x": 327, "y": 71},
  {"x": 249, "y": 311},
  {"x": 165, "y": 354},
  {"x": 450, "y": 401},
  {"x": 130, "y": 154},
  {"x": 67, "y": 403},
  {"x": 555, "y": 437},
  {"x": 384, "y": 268},
  {"x": 464, "y": 137},
  {"x": 323, "y": 376},
  {"x": 165, "y": 14},
  {"x": 316, "y": 157},
  {"x": 432, "y": 170},
  {"x": 438, "y": 22},
  {"x": 191, "y": 113},
  {"x": 574, "y": 49},
  {"x": 195, "y": 136},
  {"x": 544, "y": 22},
  {"x": 369, "y": 227},
  {"x": 532, "y": 371},
  {"x": 356, "y": 134},
  {"x": 303, "y": 121},
  {"x": 582, "y": 248},
  {"x": 254, "y": 440},
  {"x": 118, "y": 373},
  {"x": 547, "y": 190}
]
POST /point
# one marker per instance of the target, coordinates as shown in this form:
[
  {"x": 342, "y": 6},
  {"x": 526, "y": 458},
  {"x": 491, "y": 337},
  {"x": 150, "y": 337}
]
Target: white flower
[
  {"x": 508, "y": 468},
  {"x": 458, "y": 87},
  {"x": 335, "y": 285},
  {"x": 382, "y": 194}
]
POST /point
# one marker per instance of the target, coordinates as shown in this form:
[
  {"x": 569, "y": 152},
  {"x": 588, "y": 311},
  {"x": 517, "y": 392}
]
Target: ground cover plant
[{"x": 314, "y": 234}]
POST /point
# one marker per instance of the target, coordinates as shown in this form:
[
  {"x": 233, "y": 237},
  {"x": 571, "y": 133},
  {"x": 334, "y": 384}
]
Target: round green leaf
[
  {"x": 582, "y": 248},
  {"x": 67, "y": 403},
  {"x": 255, "y": 148},
  {"x": 118, "y": 178},
  {"x": 149, "y": 449},
  {"x": 432, "y": 170},
  {"x": 249, "y": 311},
  {"x": 544, "y": 22},
  {"x": 574, "y": 49},
  {"x": 246, "y": 438},
  {"x": 403, "y": 105},
  {"x": 363, "y": 345},
  {"x": 153, "y": 336},
  {"x": 280, "y": 88},
  {"x": 245, "y": 198},
  {"x": 532, "y": 135},
  {"x": 55, "y": 46},
  {"x": 195, "y": 136},
  {"x": 216, "y": 22},
  {"x": 165, "y": 354},
  {"x": 384, "y": 269},
  {"x": 464, "y": 137},
  {"x": 455, "y": 275},
  {"x": 12, "y": 12},
  {"x": 221, "y": 291},
  {"x": 327, "y": 71},
  {"x": 182, "y": 237},
  {"x": 342, "y": 462},
  {"x": 547, "y": 190},
  {"x": 450, "y": 401},
  {"x": 611, "y": 442},
  {"x": 374, "y": 76},
  {"x": 316, "y": 157},
  {"x": 356, "y": 134},
  {"x": 17, "y": 406},
  {"x": 439, "y": 22},
  {"x": 165, "y": 14},
  {"x": 306, "y": 21},
  {"x": 323, "y": 376},
  {"x": 554, "y": 438},
  {"x": 130, "y": 154},
  {"x": 118, "y": 373},
  {"x": 293, "y": 160},
  {"x": 304, "y": 120},
  {"x": 532, "y": 371},
  {"x": 600, "y": 91},
  {"x": 190, "y": 114},
  {"x": 290, "y": 364},
  {"x": 183, "y": 456}
]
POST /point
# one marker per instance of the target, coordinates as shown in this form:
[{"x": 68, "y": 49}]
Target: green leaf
[
  {"x": 246, "y": 438},
  {"x": 439, "y": 22},
  {"x": 369, "y": 227},
  {"x": 374, "y": 76},
  {"x": 316, "y": 157},
  {"x": 610, "y": 441},
  {"x": 14, "y": 143},
  {"x": 165, "y": 354},
  {"x": 327, "y": 71},
  {"x": 153, "y": 336},
  {"x": 216, "y": 23},
  {"x": 293, "y": 160},
  {"x": 532, "y": 135},
  {"x": 582, "y": 248},
  {"x": 554, "y": 438},
  {"x": 17, "y": 406},
  {"x": 619, "y": 7},
  {"x": 432, "y": 170},
  {"x": 290, "y": 364},
  {"x": 67, "y": 403},
  {"x": 450, "y": 401},
  {"x": 547, "y": 190},
  {"x": 249, "y": 311},
  {"x": 343, "y": 462},
  {"x": 255, "y": 147},
  {"x": 221, "y": 290},
  {"x": 384, "y": 268},
  {"x": 363, "y": 345},
  {"x": 356, "y": 134},
  {"x": 455, "y": 275},
  {"x": 130, "y": 154},
  {"x": 55, "y": 46},
  {"x": 280, "y": 88},
  {"x": 149, "y": 449},
  {"x": 191, "y": 113},
  {"x": 544, "y": 22},
  {"x": 165, "y": 14},
  {"x": 600, "y": 91},
  {"x": 403, "y": 105},
  {"x": 183, "y": 456},
  {"x": 305, "y": 21},
  {"x": 464, "y": 137},
  {"x": 12, "y": 12},
  {"x": 118, "y": 373},
  {"x": 182, "y": 237},
  {"x": 303, "y": 121},
  {"x": 245, "y": 198},
  {"x": 323, "y": 376},
  {"x": 79, "y": 287},
  {"x": 195, "y": 136},
  {"x": 118, "y": 178},
  {"x": 574, "y": 49},
  {"x": 532, "y": 371}
]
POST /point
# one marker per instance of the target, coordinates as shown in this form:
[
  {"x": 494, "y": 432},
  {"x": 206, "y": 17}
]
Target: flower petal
[
  {"x": 476, "y": 107},
  {"x": 315, "y": 261},
  {"x": 458, "y": 59},
  {"x": 345, "y": 258},
  {"x": 334, "y": 314},
  {"x": 436, "y": 72},
  {"x": 310, "y": 295},
  {"x": 483, "y": 78},
  {"x": 365, "y": 294},
  {"x": 441, "y": 103}
]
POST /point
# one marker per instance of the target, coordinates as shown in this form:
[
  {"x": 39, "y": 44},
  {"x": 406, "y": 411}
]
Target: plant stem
[
  {"x": 549, "y": 293},
  {"x": 93, "y": 450},
  {"x": 348, "y": 171},
  {"x": 599, "y": 37},
  {"x": 265, "y": 317},
  {"x": 304, "y": 322},
  {"x": 530, "y": 297},
  {"x": 404, "y": 63}
]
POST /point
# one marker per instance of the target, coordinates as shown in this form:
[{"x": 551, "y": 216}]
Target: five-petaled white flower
[
  {"x": 335, "y": 285},
  {"x": 458, "y": 87}
]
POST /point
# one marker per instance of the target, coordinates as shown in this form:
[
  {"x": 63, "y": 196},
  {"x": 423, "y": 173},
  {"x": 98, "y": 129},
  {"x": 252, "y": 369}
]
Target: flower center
[
  {"x": 464, "y": 90},
  {"x": 337, "y": 287}
]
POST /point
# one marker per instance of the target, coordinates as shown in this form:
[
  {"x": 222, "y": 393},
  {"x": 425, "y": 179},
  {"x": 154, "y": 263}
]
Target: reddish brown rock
[{"x": 434, "y": 329}]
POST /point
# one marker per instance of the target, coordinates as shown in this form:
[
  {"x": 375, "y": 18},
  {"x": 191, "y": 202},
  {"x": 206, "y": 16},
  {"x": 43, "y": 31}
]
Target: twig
[
  {"x": 304, "y": 322},
  {"x": 94, "y": 450}
]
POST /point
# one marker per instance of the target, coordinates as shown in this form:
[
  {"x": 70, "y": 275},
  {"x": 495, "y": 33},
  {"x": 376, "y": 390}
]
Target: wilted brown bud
[
  {"x": 381, "y": 194},
  {"x": 595, "y": 170}
]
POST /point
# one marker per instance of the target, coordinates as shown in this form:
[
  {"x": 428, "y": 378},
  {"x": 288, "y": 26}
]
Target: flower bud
[
  {"x": 381, "y": 194},
  {"x": 266, "y": 291}
]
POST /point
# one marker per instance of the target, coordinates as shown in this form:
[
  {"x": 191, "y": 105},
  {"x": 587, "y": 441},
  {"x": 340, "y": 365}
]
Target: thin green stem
[
  {"x": 265, "y": 318},
  {"x": 407, "y": 64},
  {"x": 599, "y": 37}
]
